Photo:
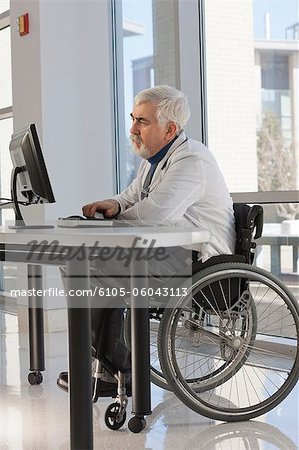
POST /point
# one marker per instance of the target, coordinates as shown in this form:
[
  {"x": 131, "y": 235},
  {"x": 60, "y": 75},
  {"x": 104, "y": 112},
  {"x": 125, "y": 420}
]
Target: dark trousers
[{"x": 107, "y": 311}]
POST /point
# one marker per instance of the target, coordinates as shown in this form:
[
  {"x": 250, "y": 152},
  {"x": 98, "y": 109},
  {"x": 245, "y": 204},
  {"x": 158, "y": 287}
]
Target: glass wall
[
  {"x": 252, "y": 92},
  {"x": 5, "y": 69},
  {"x": 6, "y": 129},
  {"x": 252, "y": 63},
  {"x": 5, "y": 108},
  {"x": 248, "y": 66},
  {"x": 251, "y": 55},
  {"x": 149, "y": 52},
  {"x": 4, "y": 5}
]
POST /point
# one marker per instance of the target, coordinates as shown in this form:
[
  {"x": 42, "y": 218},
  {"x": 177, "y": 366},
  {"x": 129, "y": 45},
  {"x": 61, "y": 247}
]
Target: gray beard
[{"x": 142, "y": 151}]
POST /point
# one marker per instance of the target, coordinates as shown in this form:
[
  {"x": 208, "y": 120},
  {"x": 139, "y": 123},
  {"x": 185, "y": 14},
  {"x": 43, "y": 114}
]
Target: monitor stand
[{"x": 20, "y": 224}]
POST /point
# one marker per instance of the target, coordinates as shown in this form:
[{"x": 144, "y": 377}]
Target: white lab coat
[{"x": 187, "y": 189}]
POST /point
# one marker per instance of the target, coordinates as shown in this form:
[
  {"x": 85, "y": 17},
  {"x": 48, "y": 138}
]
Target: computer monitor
[{"x": 29, "y": 173}]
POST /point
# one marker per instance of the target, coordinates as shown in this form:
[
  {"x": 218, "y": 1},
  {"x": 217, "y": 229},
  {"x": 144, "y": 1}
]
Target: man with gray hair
[{"x": 178, "y": 183}]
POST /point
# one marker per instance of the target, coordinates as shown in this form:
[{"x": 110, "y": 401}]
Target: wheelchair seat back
[{"x": 248, "y": 219}]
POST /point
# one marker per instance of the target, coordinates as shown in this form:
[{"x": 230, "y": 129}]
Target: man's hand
[{"x": 110, "y": 208}]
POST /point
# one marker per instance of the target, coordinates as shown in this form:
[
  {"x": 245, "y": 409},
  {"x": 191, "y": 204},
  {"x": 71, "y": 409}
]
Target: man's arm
[
  {"x": 130, "y": 195},
  {"x": 111, "y": 207},
  {"x": 181, "y": 187}
]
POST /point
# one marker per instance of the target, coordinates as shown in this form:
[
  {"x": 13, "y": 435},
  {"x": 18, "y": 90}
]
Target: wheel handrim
[{"x": 262, "y": 386}]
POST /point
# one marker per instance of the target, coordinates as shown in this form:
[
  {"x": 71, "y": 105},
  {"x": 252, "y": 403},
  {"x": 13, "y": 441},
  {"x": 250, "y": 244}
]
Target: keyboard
[{"x": 83, "y": 222}]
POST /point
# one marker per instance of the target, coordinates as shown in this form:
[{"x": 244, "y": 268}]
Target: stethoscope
[
  {"x": 145, "y": 192},
  {"x": 165, "y": 162}
]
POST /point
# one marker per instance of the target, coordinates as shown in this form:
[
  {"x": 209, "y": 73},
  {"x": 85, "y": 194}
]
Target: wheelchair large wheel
[
  {"x": 225, "y": 333},
  {"x": 240, "y": 350},
  {"x": 157, "y": 376}
]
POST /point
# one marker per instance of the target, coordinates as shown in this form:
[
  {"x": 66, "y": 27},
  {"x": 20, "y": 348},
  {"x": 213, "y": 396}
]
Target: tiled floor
[{"x": 37, "y": 418}]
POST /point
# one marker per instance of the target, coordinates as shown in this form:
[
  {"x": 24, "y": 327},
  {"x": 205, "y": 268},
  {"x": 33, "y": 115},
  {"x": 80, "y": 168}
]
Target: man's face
[{"x": 147, "y": 136}]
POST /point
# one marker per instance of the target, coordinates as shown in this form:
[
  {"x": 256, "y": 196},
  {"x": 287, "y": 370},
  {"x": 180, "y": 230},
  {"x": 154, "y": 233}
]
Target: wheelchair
[{"x": 228, "y": 348}]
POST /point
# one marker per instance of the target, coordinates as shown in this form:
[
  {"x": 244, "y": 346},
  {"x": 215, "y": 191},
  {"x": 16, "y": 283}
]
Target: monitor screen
[
  {"x": 29, "y": 172},
  {"x": 27, "y": 157}
]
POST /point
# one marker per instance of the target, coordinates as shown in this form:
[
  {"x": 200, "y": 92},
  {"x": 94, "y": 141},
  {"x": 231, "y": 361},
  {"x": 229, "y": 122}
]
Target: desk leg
[
  {"x": 80, "y": 388},
  {"x": 36, "y": 325},
  {"x": 275, "y": 260},
  {"x": 141, "y": 393},
  {"x": 295, "y": 258}
]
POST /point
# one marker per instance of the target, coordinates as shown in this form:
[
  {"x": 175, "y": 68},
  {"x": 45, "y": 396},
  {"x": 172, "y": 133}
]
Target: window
[
  {"x": 252, "y": 86},
  {"x": 147, "y": 55},
  {"x": 5, "y": 68},
  {"x": 5, "y": 112},
  {"x": 4, "y": 5},
  {"x": 252, "y": 55},
  {"x": 276, "y": 96},
  {"x": 5, "y": 108},
  {"x": 243, "y": 93}
]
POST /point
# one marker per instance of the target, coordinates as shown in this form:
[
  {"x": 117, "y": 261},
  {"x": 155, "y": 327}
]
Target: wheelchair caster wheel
[
  {"x": 136, "y": 424},
  {"x": 115, "y": 417},
  {"x": 35, "y": 378}
]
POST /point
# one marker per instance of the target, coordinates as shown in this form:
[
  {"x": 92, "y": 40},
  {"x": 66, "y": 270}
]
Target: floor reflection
[{"x": 37, "y": 417}]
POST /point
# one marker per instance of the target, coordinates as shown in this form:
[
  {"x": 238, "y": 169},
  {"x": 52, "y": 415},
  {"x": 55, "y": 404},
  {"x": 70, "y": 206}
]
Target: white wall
[{"x": 62, "y": 81}]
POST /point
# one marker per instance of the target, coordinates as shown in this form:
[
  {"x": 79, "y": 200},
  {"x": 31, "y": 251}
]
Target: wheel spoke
[{"x": 233, "y": 356}]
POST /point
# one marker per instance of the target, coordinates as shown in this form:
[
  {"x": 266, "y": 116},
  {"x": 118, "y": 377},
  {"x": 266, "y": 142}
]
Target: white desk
[{"x": 15, "y": 247}]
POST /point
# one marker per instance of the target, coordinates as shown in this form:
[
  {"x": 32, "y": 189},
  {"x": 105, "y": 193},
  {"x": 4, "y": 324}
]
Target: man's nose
[{"x": 134, "y": 128}]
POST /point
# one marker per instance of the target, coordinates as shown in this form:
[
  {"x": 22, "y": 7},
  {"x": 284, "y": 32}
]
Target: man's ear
[{"x": 171, "y": 130}]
